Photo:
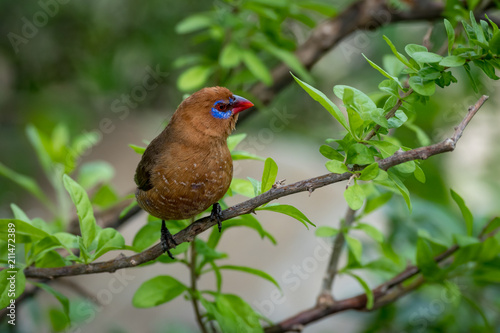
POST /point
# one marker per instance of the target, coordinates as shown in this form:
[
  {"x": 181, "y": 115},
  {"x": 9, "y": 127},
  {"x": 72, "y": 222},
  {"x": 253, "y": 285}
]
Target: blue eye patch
[{"x": 222, "y": 110}]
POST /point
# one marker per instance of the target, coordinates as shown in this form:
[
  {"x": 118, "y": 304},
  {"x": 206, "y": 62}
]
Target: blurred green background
[{"x": 79, "y": 65}]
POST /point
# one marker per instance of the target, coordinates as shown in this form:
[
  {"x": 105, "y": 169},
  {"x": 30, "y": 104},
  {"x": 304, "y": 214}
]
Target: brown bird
[{"x": 188, "y": 167}]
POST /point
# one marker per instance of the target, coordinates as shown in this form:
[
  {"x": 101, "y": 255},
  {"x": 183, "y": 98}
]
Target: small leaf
[
  {"x": 108, "y": 239},
  {"x": 411, "y": 49},
  {"x": 402, "y": 189},
  {"x": 243, "y": 187},
  {"x": 60, "y": 297},
  {"x": 158, "y": 290},
  {"x": 331, "y": 153},
  {"x": 138, "y": 149},
  {"x": 425, "y": 260},
  {"x": 257, "y": 67},
  {"x": 269, "y": 174},
  {"x": 401, "y": 57},
  {"x": 194, "y": 78},
  {"x": 366, "y": 288},
  {"x": 355, "y": 196},
  {"x": 426, "y": 57},
  {"x": 193, "y": 23},
  {"x": 230, "y": 56},
  {"x": 324, "y": 101},
  {"x": 359, "y": 154},
  {"x": 28, "y": 183},
  {"x": 450, "y": 32},
  {"x": 25, "y": 232},
  {"x": 370, "y": 172},
  {"x": 371, "y": 231},
  {"x": 325, "y": 231},
  {"x": 235, "y": 140},
  {"x": 374, "y": 203},
  {"x": 93, "y": 173},
  {"x": 355, "y": 247},
  {"x": 419, "y": 174},
  {"x": 336, "y": 166},
  {"x": 290, "y": 211},
  {"x": 452, "y": 61},
  {"x": 424, "y": 88},
  {"x": 83, "y": 209},
  {"x": 253, "y": 271},
  {"x": 384, "y": 73},
  {"x": 469, "y": 220}
]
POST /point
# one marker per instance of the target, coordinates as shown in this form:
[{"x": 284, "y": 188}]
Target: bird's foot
[
  {"x": 216, "y": 215},
  {"x": 167, "y": 239}
]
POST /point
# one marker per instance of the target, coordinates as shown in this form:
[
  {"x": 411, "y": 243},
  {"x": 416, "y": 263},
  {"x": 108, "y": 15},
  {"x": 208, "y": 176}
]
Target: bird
[{"x": 188, "y": 167}]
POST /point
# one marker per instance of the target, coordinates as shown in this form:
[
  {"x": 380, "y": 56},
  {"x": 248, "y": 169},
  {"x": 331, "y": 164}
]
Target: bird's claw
[
  {"x": 166, "y": 238},
  {"x": 216, "y": 215}
]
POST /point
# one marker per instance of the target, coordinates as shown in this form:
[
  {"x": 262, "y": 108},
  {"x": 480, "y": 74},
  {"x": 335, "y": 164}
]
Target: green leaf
[
  {"x": 233, "y": 314},
  {"x": 230, "y": 56},
  {"x": 194, "y": 78},
  {"x": 450, "y": 32},
  {"x": 495, "y": 43},
  {"x": 425, "y": 260},
  {"x": 384, "y": 73},
  {"x": 324, "y": 101},
  {"x": 487, "y": 68},
  {"x": 108, "y": 239},
  {"x": 330, "y": 153},
  {"x": 19, "y": 214},
  {"x": 83, "y": 210},
  {"x": 355, "y": 247},
  {"x": 27, "y": 183},
  {"x": 208, "y": 253},
  {"x": 469, "y": 220},
  {"x": 138, "y": 149},
  {"x": 125, "y": 210},
  {"x": 452, "y": 61},
  {"x": 93, "y": 173},
  {"x": 6, "y": 277},
  {"x": 492, "y": 225},
  {"x": 235, "y": 140},
  {"x": 398, "y": 55},
  {"x": 269, "y": 174},
  {"x": 370, "y": 172},
  {"x": 402, "y": 189},
  {"x": 194, "y": 23},
  {"x": 105, "y": 197},
  {"x": 376, "y": 202},
  {"x": 244, "y": 155},
  {"x": 60, "y": 297},
  {"x": 336, "y": 166},
  {"x": 371, "y": 231},
  {"x": 411, "y": 49},
  {"x": 325, "y": 231},
  {"x": 419, "y": 174},
  {"x": 424, "y": 88},
  {"x": 355, "y": 196},
  {"x": 288, "y": 58},
  {"x": 471, "y": 78},
  {"x": 243, "y": 187},
  {"x": 290, "y": 211},
  {"x": 359, "y": 154},
  {"x": 257, "y": 67},
  {"x": 426, "y": 57},
  {"x": 158, "y": 290},
  {"x": 24, "y": 231},
  {"x": 253, "y": 271},
  {"x": 366, "y": 288},
  {"x": 37, "y": 143},
  {"x": 257, "y": 186}
]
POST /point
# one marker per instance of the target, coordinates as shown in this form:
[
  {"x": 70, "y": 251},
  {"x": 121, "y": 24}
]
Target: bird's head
[{"x": 212, "y": 111}]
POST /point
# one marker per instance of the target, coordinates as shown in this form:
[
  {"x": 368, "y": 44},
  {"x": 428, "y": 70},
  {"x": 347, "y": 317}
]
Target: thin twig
[
  {"x": 325, "y": 296},
  {"x": 188, "y": 234},
  {"x": 194, "y": 278}
]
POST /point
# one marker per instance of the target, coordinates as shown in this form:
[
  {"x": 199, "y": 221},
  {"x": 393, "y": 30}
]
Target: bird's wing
[{"x": 143, "y": 172}]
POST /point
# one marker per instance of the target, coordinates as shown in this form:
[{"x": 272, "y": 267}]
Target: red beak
[{"x": 241, "y": 104}]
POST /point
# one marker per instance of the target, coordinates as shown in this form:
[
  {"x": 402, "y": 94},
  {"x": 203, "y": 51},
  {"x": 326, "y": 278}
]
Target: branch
[
  {"x": 361, "y": 15},
  {"x": 246, "y": 207},
  {"x": 384, "y": 294}
]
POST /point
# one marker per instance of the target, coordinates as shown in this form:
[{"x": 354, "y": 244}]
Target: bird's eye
[{"x": 221, "y": 107}]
